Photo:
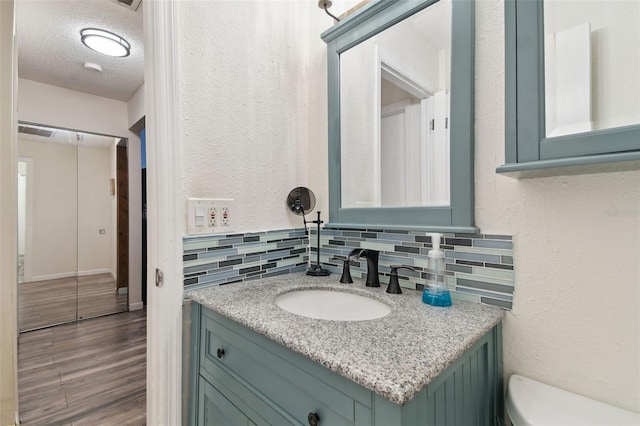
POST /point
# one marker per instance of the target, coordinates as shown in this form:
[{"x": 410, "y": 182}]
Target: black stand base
[{"x": 317, "y": 271}]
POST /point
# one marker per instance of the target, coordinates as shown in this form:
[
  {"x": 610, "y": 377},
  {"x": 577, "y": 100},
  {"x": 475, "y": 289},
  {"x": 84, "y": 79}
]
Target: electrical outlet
[
  {"x": 210, "y": 215},
  {"x": 213, "y": 216},
  {"x": 226, "y": 216}
]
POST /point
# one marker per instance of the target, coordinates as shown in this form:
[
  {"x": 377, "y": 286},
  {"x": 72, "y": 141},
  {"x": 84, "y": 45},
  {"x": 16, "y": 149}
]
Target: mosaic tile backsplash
[
  {"x": 223, "y": 259},
  {"x": 479, "y": 267}
]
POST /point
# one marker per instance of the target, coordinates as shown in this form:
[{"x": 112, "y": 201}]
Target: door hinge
[
  {"x": 159, "y": 278},
  {"x": 433, "y": 124},
  {"x": 446, "y": 123}
]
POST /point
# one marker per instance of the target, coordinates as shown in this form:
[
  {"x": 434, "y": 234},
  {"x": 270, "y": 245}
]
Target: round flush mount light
[{"x": 105, "y": 42}]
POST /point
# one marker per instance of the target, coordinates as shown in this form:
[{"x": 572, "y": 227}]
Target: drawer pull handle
[
  {"x": 314, "y": 419},
  {"x": 220, "y": 353}
]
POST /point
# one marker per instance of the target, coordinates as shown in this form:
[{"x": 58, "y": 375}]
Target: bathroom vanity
[{"x": 255, "y": 363}]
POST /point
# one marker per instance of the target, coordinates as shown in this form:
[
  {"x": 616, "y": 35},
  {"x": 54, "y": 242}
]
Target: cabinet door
[{"x": 214, "y": 409}]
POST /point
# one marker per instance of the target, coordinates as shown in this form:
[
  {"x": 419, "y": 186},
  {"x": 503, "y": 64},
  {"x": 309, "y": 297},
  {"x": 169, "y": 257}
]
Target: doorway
[
  {"x": 413, "y": 138},
  {"x": 67, "y": 200}
]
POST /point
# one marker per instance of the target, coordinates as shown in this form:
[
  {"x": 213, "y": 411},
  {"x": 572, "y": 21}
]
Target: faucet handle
[
  {"x": 394, "y": 285},
  {"x": 354, "y": 254},
  {"x": 346, "y": 271}
]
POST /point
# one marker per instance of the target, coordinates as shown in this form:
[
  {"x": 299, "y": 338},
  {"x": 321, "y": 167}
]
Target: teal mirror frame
[
  {"x": 367, "y": 22},
  {"x": 526, "y": 146}
]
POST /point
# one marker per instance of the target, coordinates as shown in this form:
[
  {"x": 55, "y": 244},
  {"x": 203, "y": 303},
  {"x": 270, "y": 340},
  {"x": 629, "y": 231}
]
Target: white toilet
[{"x": 531, "y": 403}]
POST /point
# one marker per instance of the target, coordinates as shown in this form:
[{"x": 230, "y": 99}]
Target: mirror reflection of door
[
  {"x": 67, "y": 227},
  {"x": 414, "y": 142},
  {"x": 394, "y": 114}
]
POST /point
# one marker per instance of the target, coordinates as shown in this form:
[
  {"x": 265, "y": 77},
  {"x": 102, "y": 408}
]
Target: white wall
[
  {"x": 317, "y": 125},
  {"x": 71, "y": 203},
  {"x": 45, "y": 104},
  {"x": 95, "y": 250},
  {"x": 246, "y": 84},
  {"x": 54, "y": 233},
  {"x": 136, "y": 107},
  {"x": 576, "y": 316}
]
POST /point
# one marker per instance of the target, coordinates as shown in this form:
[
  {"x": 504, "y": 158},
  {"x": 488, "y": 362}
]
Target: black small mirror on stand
[{"x": 301, "y": 201}]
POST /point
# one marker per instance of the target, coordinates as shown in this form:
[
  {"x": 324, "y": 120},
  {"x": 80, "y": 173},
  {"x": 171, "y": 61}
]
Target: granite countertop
[{"x": 395, "y": 356}]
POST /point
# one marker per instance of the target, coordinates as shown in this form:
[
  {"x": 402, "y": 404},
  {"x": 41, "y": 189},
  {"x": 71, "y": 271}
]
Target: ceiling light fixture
[{"x": 105, "y": 42}]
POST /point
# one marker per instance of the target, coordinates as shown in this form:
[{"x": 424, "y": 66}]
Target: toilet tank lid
[{"x": 533, "y": 403}]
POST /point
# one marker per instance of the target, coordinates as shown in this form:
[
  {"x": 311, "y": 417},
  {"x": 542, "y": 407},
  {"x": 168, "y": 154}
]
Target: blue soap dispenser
[{"x": 435, "y": 291}]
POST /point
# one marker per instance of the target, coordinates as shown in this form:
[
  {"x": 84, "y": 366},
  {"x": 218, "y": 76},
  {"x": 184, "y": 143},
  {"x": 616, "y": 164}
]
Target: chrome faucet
[{"x": 372, "y": 264}]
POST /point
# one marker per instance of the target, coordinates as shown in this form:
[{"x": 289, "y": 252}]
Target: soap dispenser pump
[{"x": 435, "y": 291}]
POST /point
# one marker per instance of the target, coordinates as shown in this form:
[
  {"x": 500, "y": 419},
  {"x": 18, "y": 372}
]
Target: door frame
[
  {"x": 165, "y": 220},
  {"x": 122, "y": 217},
  {"x": 8, "y": 214}
]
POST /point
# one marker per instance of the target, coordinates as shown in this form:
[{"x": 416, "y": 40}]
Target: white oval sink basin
[{"x": 332, "y": 305}]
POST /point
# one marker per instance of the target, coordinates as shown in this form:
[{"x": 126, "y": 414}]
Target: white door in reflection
[
  {"x": 394, "y": 142},
  {"x": 414, "y": 149},
  {"x": 394, "y": 108}
]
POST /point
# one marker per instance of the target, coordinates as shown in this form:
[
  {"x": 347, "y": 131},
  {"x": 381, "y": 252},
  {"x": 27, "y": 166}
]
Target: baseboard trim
[
  {"x": 69, "y": 275},
  {"x": 135, "y": 306},
  {"x": 94, "y": 272},
  {"x": 123, "y": 290},
  {"x": 52, "y": 277}
]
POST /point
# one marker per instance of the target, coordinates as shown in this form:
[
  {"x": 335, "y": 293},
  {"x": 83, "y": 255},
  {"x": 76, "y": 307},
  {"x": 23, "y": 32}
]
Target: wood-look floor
[
  {"x": 92, "y": 372},
  {"x": 44, "y": 303}
]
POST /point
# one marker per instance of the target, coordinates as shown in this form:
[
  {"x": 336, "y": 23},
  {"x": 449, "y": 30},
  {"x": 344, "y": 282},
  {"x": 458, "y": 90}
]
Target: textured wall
[
  {"x": 575, "y": 322},
  {"x": 246, "y": 85},
  {"x": 254, "y": 124}
]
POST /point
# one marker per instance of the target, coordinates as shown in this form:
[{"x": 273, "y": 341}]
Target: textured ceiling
[{"x": 50, "y": 50}]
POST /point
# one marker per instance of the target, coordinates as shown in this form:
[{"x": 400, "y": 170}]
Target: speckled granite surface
[{"x": 395, "y": 356}]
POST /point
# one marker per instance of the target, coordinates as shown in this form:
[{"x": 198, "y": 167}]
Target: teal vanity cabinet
[{"x": 240, "y": 377}]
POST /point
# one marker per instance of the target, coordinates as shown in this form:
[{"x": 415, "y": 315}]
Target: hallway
[{"x": 89, "y": 373}]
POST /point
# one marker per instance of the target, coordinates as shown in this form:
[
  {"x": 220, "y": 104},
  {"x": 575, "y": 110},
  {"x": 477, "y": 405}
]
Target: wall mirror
[
  {"x": 572, "y": 83},
  {"x": 400, "y": 77},
  {"x": 68, "y": 226}
]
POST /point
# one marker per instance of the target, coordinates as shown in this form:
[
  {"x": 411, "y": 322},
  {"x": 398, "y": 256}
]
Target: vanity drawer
[
  {"x": 231, "y": 403},
  {"x": 216, "y": 407},
  {"x": 296, "y": 384}
]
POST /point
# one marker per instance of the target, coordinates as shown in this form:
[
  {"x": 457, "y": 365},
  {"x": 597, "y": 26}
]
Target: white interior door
[
  {"x": 25, "y": 209},
  {"x": 394, "y": 136},
  {"x": 438, "y": 183}
]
